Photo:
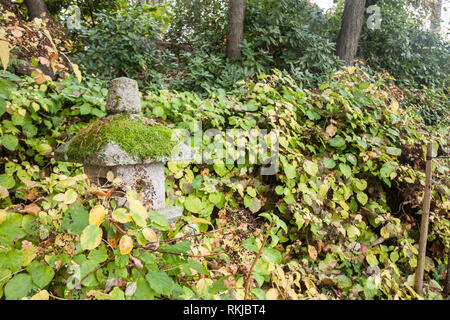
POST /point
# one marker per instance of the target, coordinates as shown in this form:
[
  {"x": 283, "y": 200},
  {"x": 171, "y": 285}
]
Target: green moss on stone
[{"x": 135, "y": 136}]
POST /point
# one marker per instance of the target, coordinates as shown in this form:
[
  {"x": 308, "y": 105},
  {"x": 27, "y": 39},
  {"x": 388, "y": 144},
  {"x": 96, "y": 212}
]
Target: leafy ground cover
[{"x": 339, "y": 220}]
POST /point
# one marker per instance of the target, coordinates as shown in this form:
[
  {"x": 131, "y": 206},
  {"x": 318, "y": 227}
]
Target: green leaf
[
  {"x": 344, "y": 282},
  {"x": 289, "y": 171},
  {"x": 143, "y": 290},
  {"x": 10, "y": 142},
  {"x": 76, "y": 218},
  {"x": 2, "y": 106},
  {"x": 353, "y": 233},
  {"x": 91, "y": 237},
  {"x": 345, "y": 169},
  {"x": 310, "y": 167},
  {"x": 121, "y": 215},
  {"x": 42, "y": 276},
  {"x": 18, "y": 287},
  {"x": 193, "y": 204},
  {"x": 394, "y": 256},
  {"x": 85, "y": 109},
  {"x": 337, "y": 142},
  {"x": 250, "y": 244},
  {"x": 98, "y": 255},
  {"x": 386, "y": 170},
  {"x": 158, "y": 220},
  {"x": 329, "y": 163},
  {"x": 11, "y": 227},
  {"x": 160, "y": 282},
  {"x": 372, "y": 259},
  {"x": 7, "y": 181},
  {"x": 362, "y": 197},
  {"x": 360, "y": 185},
  {"x": 394, "y": 151},
  {"x": 255, "y": 206},
  {"x": 12, "y": 260},
  {"x": 273, "y": 255}
]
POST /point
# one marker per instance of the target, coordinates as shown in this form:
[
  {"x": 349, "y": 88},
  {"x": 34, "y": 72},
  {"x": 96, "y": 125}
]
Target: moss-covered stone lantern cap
[{"x": 124, "y": 137}]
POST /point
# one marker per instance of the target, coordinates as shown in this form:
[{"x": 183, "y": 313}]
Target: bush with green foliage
[
  {"x": 123, "y": 43},
  {"x": 414, "y": 56}
]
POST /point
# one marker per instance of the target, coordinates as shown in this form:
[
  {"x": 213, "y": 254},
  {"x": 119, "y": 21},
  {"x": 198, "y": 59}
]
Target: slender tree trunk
[
  {"x": 352, "y": 21},
  {"x": 235, "y": 33},
  {"x": 447, "y": 283},
  {"x": 37, "y": 8},
  {"x": 436, "y": 17}
]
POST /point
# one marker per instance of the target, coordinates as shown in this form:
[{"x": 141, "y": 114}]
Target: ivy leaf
[
  {"x": 310, "y": 167},
  {"x": 353, "y": 233},
  {"x": 193, "y": 204},
  {"x": 289, "y": 171},
  {"x": 345, "y": 169},
  {"x": 255, "y": 206},
  {"x": 18, "y": 287},
  {"x": 7, "y": 181},
  {"x": 394, "y": 151},
  {"x": 362, "y": 197},
  {"x": 329, "y": 163},
  {"x": 10, "y": 142},
  {"x": 42, "y": 275},
  {"x": 337, "y": 142},
  {"x": 91, "y": 237}
]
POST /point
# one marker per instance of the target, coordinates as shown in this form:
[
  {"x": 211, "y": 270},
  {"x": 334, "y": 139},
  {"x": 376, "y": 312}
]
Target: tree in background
[
  {"x": 235, "y": 33},
  {"x": 36, "y": 8},
  {"x": 352, "y": 20}
]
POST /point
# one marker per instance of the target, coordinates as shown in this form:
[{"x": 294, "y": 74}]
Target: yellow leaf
[
  {"x": 110, "y": 176},
  {"x": 394, "y": 105},
  {"x": 138, "y": 211},
  {"x": 121, "y": 215},
  {"x": 351, "y": 69},
  {"x": 3, "y": 214},
  {"x": 4, "y": 53},
  {"x": 199, "y": 220},
  {"x": 272, "y": 294},
  {"x": 150, "y": 235},
  {"x": 76, "y": 71},
  {"x": 125, "y": 244},
  {"x": 97, "y": 215},
  {"x": 47, "y": 33},
  {"x": 41, "y": 295}
]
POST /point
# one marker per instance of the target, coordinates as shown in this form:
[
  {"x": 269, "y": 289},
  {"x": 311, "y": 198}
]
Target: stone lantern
[{"x": 132, "y": 147}]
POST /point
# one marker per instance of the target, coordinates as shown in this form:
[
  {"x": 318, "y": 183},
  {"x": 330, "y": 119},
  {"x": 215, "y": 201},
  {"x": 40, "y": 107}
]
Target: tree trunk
[
  {"x": 37, "y": 8},
  {"x": 436, "y": 17},
  {"x": 352, "y": 21},
  {"x": 235, "y": 33}
]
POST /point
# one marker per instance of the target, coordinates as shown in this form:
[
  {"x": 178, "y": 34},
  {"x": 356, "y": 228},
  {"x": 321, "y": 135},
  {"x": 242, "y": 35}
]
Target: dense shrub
[
  {"x": 123, "y": 43},
  {"x": 414, "y": 56}
]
